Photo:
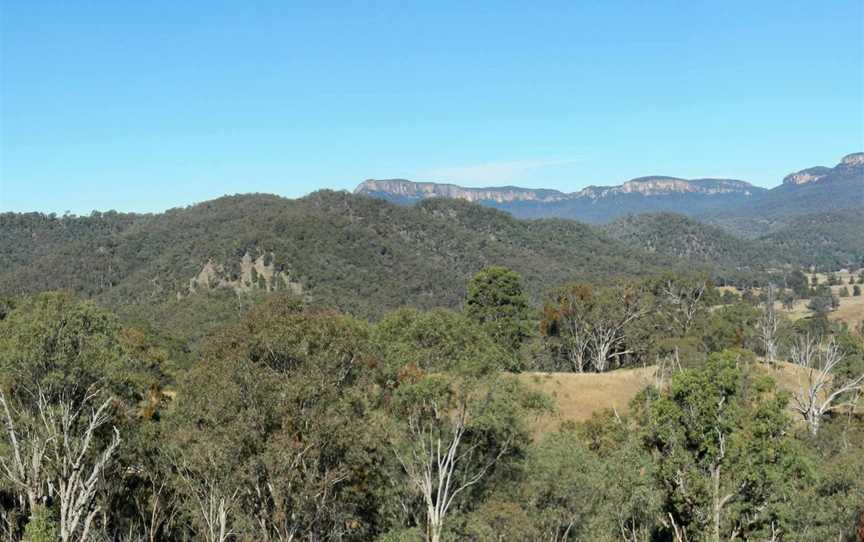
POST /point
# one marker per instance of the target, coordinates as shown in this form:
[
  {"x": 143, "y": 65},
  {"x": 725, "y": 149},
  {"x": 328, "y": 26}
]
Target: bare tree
[
  {"x": 157, "y": 507},
  {"x": 767, "y": 326},
  {"x": 607, "y": 336},
  {"x": 213, "y": 505},
  {"x": 61, "y": 455},
  {"x": 685, "y": 299},
  {"x": 438, "y": 465},
  {"x": 824, "y": 391},
  {"x": 576, "y": 333},
  {"x": 25, "y": 469}
]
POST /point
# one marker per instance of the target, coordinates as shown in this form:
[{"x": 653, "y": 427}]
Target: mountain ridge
[
  {"x": 718, "y": 200},
  {"x": 647, "y": 185}
]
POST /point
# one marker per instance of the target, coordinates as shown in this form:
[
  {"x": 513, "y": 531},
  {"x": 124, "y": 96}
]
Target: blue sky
[{"x": 142, "y": 106}]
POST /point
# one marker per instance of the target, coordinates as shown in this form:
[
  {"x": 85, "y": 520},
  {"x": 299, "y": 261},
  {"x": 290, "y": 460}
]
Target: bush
[{"x": 42, "y": 527}]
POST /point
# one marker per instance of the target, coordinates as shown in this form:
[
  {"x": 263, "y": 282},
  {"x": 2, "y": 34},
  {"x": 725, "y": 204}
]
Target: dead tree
[
  {"x": 608, "y": 333},
  {"x": 212, "y": 504},
  {"x": 823, "y": 392},
  {"x": 684, "y": 299},
  {"x": 58, "y": 452},
  {"x": 25, "y": 469},
  {"x": 767, "y": 327},
  {"x": 76, "y": 474},
  {"x": 575, "y": 334}
]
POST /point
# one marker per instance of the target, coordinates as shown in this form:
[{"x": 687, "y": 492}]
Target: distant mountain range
[{"x": 734, "y": 204}]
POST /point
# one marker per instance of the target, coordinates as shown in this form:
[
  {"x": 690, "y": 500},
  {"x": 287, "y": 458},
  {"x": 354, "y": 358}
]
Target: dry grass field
[
  {"x": 578, "y": 396},
  {"x": 851, "y": 310}
]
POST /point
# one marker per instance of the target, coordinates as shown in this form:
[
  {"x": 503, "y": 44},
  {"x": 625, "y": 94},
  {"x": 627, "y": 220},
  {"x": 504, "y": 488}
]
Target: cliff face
[
  {"x": 856, "y": 159},
  {"x": 410, "y": 190},
  {"x": 852, "y": 165},
  {"x": 730, "y": 202},
  {"x": 808, "y": 175},
  {"x": 404, "y": 190},
  {"x": 660, "y": 186}
]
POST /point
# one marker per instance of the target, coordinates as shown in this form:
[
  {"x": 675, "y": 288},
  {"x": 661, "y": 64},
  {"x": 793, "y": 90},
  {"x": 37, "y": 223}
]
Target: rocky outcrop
[
  {"x": 808, "y": 175},
  {"x": 807, "y": 191},
  {"x": 856, "y": 159},
  {"x": 258, "y": 273},
  {"x": 852, "y": 165},
  {"x": 659, "y": 186}
]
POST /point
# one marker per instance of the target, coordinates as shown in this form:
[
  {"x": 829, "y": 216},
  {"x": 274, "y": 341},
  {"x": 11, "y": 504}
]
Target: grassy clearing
[
  {"x": 578, "y": 396},
  {"x": 850, "y": 311}
]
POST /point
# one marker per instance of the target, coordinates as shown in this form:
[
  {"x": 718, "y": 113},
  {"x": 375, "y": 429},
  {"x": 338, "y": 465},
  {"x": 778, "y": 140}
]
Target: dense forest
[
  {"x": 365, "y": 257},
  {"x": 360, "y": 254},
  {"x": 294, "y": 421}
]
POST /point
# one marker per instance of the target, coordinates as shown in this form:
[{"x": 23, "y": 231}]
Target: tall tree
[
  {"x": 449, "y": 434},
  {"x": 767, "y": 326},
  {"x": 722, "y": 451},
  {"x": 497, "y": 301}
]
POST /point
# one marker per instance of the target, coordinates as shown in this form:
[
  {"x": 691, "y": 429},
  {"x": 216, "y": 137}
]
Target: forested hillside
[
  {"x": 811, "y": 191},
  {"x": 356, "y": 253},
  {"x": 828, "y": 241},
  {"x": 194, "y": 268},
  {"x": 679, "y": 236}
]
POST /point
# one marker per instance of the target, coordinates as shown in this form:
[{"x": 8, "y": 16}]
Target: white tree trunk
[
  {"x": 822, "y": 393},
  {"x": 60, "y": 453},
  {"x": 767, "y": 327},
  {"x": 432, "y": 463}
]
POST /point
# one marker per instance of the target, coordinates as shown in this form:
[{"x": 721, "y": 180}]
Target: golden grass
[
  {"x": 578, "y": 396},
  {"x": 851, "y": 310}
]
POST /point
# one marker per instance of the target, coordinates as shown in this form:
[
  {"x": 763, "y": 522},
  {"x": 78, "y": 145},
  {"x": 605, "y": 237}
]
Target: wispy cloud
[{"x": 491, "y": 172}]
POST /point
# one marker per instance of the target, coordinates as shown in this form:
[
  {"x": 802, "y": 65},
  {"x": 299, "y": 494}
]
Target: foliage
[
  {"x": 438, "y": 340},
  {"x": 722, "y": 455},
  {"x": 361, "y": 255},
  {"x": 42, "y": 527},
  {"x": 296, "y": 421},
  {"x": 496, "y": 301}
]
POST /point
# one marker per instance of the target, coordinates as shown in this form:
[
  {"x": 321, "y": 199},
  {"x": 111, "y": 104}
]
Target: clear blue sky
[{"x": 146, "y": 105}]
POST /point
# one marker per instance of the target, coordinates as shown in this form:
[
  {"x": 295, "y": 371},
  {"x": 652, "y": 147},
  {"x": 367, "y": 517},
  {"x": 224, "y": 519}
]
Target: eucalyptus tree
[{"x": 719, "y": 435}]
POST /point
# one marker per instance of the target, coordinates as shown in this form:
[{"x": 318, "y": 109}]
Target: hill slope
[
  {"x": 678, "y": 236},
  {"x": 359, "y": 254},
  {"x": 807, "y": 192},
  {"x": 829, "y": 240}
]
